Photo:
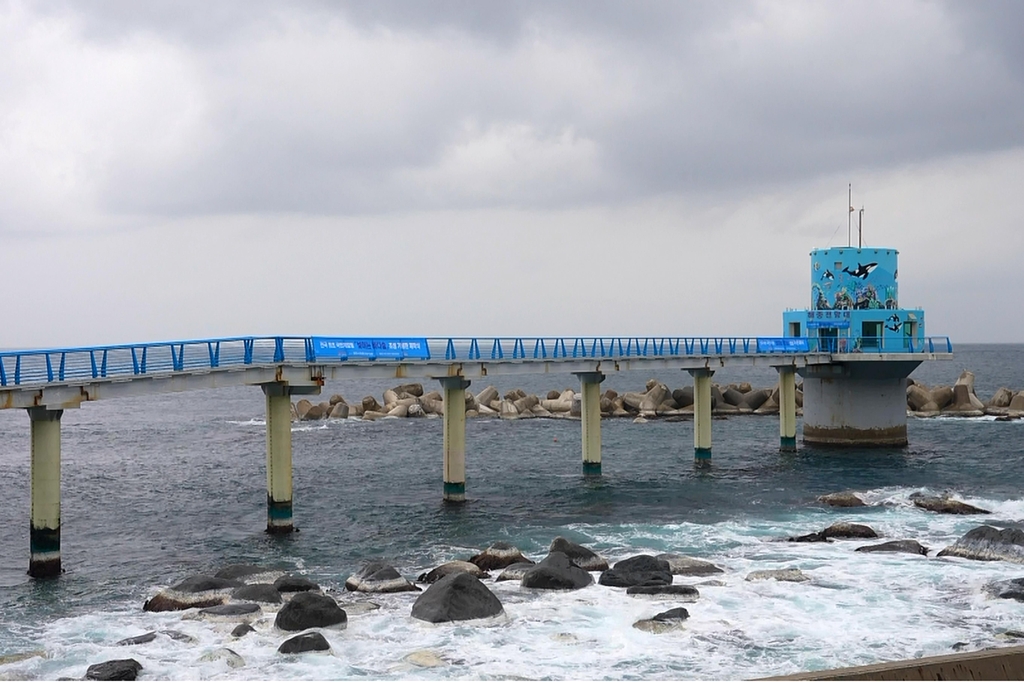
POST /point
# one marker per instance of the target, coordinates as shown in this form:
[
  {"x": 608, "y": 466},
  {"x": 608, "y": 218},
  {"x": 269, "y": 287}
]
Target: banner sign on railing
[
  {"x": 779, "y": 344},
  {"x": 326, "y": 347}
]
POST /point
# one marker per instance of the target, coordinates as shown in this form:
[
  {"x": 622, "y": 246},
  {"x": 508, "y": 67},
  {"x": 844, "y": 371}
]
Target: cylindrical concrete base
[
  {"x": 865, "y": 412},
  {"x": 44, "y": 533}
]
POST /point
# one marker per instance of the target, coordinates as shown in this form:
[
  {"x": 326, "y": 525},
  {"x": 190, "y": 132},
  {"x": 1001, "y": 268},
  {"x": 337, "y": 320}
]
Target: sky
[{"x": 180, "y": 170}]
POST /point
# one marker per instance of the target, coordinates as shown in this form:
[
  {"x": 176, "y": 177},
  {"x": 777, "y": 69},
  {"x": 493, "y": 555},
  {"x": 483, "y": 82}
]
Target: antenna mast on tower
[{"x": 849, "y": 217}]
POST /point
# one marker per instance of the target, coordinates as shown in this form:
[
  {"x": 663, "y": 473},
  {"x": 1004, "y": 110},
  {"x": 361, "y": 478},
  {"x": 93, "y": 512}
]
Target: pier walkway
[{"x": 45, "y": 382}]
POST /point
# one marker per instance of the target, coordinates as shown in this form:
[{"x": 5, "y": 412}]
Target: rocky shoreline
[
  {"x": 301, "y": 615},
  {"x": 655, "y": 401}
]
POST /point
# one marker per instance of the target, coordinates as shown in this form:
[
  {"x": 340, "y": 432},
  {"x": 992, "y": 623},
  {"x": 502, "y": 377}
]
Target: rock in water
[
  {"x": 499, "y": 555},
  {"x": 449, "y": 568},
  {"x": 308, "y": 641},
  {"x": 986, "y": 543},
  {"x": 849, "y": 530},
  {"x": 238, "y": 611},
  {"x": 906, "y": 546},
  {"x": 248, "y": 573},
  {"x": 294, "y": 583},
  {"x": 242, "y": 630},
  {"x": 264, "y": 593},
  {"x": 556, "y": 572},
  {"x": 378, "y": 576},
  {"x": 578, "y": 554},
  {"x": 119, "y": 669},
  {"x": 310, "y": 610},
  {"x": 686, "y": 593},
  {"x": 638, "y": 570},
  {"x": 515, "y": 571},
  {"x": 845, "y": 499},
  {"x": 945, "y": 505},
  {"x": 1007, "y": 589},
  {"x": 663, "y": 622},
  {"x": 224, "y": 654},
  {"x": 457, "y": 596},
  {"x": 684, "y": 565},
  {"x": 199, "y": 591},
  {"x": 788, "y": 575}
]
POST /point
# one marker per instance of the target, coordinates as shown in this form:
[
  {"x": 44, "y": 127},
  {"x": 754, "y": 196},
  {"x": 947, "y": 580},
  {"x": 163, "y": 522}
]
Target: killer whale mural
[{"x": 854, "y": 279}]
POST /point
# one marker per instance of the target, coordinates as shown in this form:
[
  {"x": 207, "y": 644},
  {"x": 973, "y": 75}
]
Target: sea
[{"x": 157, "y": 489}]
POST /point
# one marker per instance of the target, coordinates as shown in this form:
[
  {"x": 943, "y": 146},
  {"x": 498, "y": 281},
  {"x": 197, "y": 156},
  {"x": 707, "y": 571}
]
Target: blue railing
[{"x": 59, "y": 365}]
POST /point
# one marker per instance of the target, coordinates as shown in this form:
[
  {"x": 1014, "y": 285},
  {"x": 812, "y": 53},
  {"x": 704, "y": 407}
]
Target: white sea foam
[{"x": 857, "y": 608}]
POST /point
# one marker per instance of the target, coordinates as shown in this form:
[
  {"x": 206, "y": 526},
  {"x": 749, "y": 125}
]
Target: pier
[{"x": 46, "y": 382}]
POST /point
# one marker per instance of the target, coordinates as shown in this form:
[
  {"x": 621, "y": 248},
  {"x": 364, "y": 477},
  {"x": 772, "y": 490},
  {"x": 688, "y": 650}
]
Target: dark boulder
[
  {"x": 499, "y": 555},
  {"x": 637, "y": 570},
  {"x": 515, "y": 571},
  {"x": 684, "y": 565},
  {"x": 1007, "y": 589},
  {"x": 241, "y": 630},
  {"x": 986, "y": 543},
  {"x": 849, "y": 530},
  {"x": 945, "y": 505},
  {"x": 818, "y": 536},
  {"x": 556, "y": 572},
  {"x": 248, "y": 573},
  {"x": 294, "y": 583},
  {"x": 308, "y": 641},
  {"x": 234, "y": 611},
  {"x": 378, "y": 576},
  {"x": 578, "y": 554},
  {"x": 310, "y": 610},
  {"x": 119, "y": 669},
  {"x": 457, "y": 596},
  {"x": 138, "y": 639},
  {"x": 264, "y": 593},
  {"x": 199, "y": 591},
  {"x": 686, "y": 593},
  {"x": 663, "y": 622},
  {"x": 449, "y": 568},
  {"x": 906, "y": 546}
]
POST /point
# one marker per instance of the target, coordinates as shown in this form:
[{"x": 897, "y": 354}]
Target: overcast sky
[{"x": 174, "y": 170}]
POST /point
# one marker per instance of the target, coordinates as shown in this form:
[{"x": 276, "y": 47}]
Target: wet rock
[
  {"x": 308, "y": 641},
  {"x": 358, "y": 608},
  {"x": 499, "y": 555},
  {"x": 663, "y": 622},
  {"x": 818, "y": 536},
  {"x": 138, "y": 639},
  {"x": 310, "y": 610},
  {"x": 199, "y": 591},
  {"x": 263, "y": 593},
  {"x": 905, "y": 546},
  {"x": 986, "y": 543},
  {"x": 684, "y": 593},
  {"x": 451, "y": 567},
  {"x": 118, "y": 669},
  {"x": 849, "y": 530},
  {"x": 241, "y": 630},
  {"x": 515, "y": 571},
  {"x": 556, "y": 572},
  {"x": 378, "y": 576},
  {"x": 241, "y": 611},
  {"x": 844, "y": 499},
  {"x": 1007, "y": 589},
  {"x": 788, "y": 575},
  {"x": 638, "y": 570},
  {"x": 578, "y": 554},
  {"x": 684, "y": 565},
  {"x": 294, "y": 583},
  {"x": 945, "y": 505},
  {"x": 224, "y": 654},
  {"x": 456, "y": 597}
]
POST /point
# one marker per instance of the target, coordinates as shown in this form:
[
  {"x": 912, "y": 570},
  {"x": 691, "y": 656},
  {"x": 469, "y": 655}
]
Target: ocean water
[{"x": 159, "y": 488}]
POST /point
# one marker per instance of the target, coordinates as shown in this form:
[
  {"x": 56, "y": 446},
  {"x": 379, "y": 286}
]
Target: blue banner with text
[
  {"x": 344, "y": 348},
  {"x": 781, "y": 344}
]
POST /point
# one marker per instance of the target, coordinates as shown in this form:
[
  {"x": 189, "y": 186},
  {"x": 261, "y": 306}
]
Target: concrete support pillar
[
  {"x": 787, "y": 409},
  {"x": 279, "y": 458},
  {"x": 44, "y": 534},
  {"x": 454, "y": 438},
  {"x": 702, "y": 416},
  {"x": 590, "y": 411}
]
